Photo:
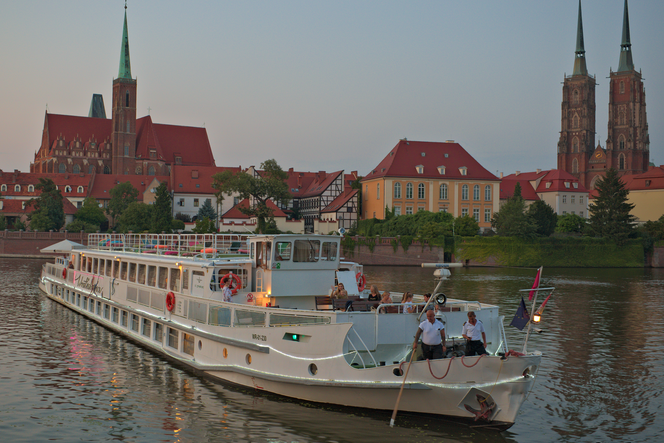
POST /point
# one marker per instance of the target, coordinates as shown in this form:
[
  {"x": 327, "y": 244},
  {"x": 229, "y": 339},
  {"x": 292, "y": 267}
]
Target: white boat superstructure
[{"x": 281, "y": 333}]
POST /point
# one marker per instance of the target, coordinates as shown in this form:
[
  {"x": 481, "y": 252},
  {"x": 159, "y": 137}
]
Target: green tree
[
  {"x": 204, "y": 225},
  {"x": 207, "y": 210},
  {"x": 80, "y": 225},
  {"x": 270, "y": 185},
  {"x": 177, "y": 225},
  {"x": 137, "y": 217},
  {"x": 466, "y": 226},
  {"x": 655, "y": 228},
  {"x": 186, "y": 218},
  {"x": 90, "y": 213},
  {"x": 162, "y": 212},
  {"x": 122, "y": 195},
  {"x": 511, "y": 220},
  {"x": 48, "y": 209},
  {"x": 19, "y": 225},
  {"x": 571, "y": 223},
  {"x": 544, "y": 217},
  {"x": 610, "y": 216},
  {"x": 3, "y": 222}
]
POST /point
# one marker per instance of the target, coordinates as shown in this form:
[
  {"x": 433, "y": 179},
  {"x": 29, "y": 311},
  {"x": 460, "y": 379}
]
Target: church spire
[
  {"x": 580, "y": 58},
  {"x": 626, "y": 63},
  {"x": 125, "y": 65}
]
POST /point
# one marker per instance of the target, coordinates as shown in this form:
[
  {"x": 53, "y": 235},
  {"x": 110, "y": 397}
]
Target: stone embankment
[{"x": 29, "y": 244}]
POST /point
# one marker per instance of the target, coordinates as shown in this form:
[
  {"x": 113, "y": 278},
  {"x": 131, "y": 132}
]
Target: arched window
[
  {"x": 126, "y": 153},
  {"x": 487, "y": 193},
  {"x": 575, "y": 97},
  {"x": 79, "y": 189},
  {"x": 91, "y": 169},
  {"x": 476, "y": 192},
  {"x": 17, "y": 188},
  {"x": 621, "y": 162},
  {"x": 128, "y": 127},
  {"x": 62, "y": 168},
  {"x": 107, "y": 170},
  {"x": 76, "y": 169},
  {"x": 575, "y": 121},
  {"x": 420, "y": 191},
  {"x": 67, "y": 189},
  {"x": 575, "y": 166},
  {"x": 3, "y": 188},
  {"x": 622, "y": 87},
  {"x": 443, "y": 191},
  {"x": 31, "y": 188},
  {"x": 621, "y": 142},
  {"x": 409, "y": 190},
  {"x": 127, "y": 99},
  {"x": 397, "y": 190},
  {"x": 464, "y": 192},
  {"x": 575, "y": 145},
  {"x": 151, "y": 170},
  {"x": 594, "y": 181}
]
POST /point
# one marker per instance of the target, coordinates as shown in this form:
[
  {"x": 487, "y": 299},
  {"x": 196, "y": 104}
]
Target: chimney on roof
[
  {"x": 322, "y": 175},
  {"x": 290, "y": 170},
  {"x": 517, "y": 173},
  {"x": 538, "y": 170},
  {"x": 501, "y": 175},
  {"x": 16, "y": 172}
]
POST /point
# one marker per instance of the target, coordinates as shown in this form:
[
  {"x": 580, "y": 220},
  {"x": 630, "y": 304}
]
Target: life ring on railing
[
  {"x": 170, "y": 301},
  {"x": 64, "y": 273},
  {"x": 235, "y": 278},
  {"x": 361, "y": 281}
]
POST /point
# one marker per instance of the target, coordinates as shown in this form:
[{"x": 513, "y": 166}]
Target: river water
[{"x": 65, "y": 378}]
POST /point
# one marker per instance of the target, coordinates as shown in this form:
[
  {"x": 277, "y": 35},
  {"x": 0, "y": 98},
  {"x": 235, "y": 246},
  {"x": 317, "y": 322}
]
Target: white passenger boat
[{"x": 281, "y": 332}]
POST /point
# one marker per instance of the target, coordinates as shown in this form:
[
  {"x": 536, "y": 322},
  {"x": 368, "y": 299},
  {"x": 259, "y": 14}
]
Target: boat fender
[
  {"x": 361, "y": 281},
  {"x": 250, "y": 298},
  {"x": 440, "y": 298},
  {"x": 170, "y": 301},
  {"x": 235, "y": 278}
]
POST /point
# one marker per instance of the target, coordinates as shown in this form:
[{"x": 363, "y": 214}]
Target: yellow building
[
  {"x": 431, "y": 176},
  {"x": 646, "y": 193}
]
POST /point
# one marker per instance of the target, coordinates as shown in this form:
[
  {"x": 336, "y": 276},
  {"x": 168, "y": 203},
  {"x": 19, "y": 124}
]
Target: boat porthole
[
  {"x": 398, "y": 372},
  {"x": 313, "y": 369},
  {"x": 248, "y": 359},
  {"x": 200, "y": 345},
  {"x": 225, "y": 353}
]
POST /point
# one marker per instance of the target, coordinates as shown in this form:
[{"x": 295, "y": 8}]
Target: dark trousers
[
  {"x": 431, "y": 352},
  {"x": 475, "y": 347}
]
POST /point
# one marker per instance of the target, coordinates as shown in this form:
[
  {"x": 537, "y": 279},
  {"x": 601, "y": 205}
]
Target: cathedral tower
[
  {"x": 628, "y": 142},
  {"x": 577, "y": 132},
  {"x": 124, "y": 112}
]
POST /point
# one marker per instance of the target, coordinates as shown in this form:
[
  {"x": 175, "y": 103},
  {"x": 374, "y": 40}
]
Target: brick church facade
[
  {"x": 122, "y": 145},
  {"x": 628, "y": 142}
]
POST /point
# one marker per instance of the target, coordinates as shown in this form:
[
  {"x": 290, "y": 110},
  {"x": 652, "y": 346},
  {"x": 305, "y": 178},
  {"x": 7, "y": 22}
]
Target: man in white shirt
[
  {"x": 433, "y": 337},
  {"x": 472, "y": 331}
]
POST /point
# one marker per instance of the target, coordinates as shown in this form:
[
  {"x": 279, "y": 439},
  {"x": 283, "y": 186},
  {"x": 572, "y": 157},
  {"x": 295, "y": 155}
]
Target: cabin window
[
  {"x": 95, "y": 265},
  {"x": 141, "y": 274},
  {"x": 107, "y": 311},
  {"x": 123, "y": 270},
  {"x": 85, "y": 303},
  {"x": 158, "y": 332},
  {"x": 147, "y": 327},
  {"x": 251, "y": 252},
  {"x": 175, "y": 279},
  {"x": 109, "y": 265},
  {"x": 78, "y": 299},
  {"x": 134, "y": 322},
  {"x": 98, "y": 308},
  {"x": 283, "y": 251},
  {"x": 306, "y": 250},
  {"x": 163, "y": 277},
  {"x": 116, "y": 269},
  {"x": 115, "y": 315},
  {"x": 132, "y": 272},
  {"x": 329, "y": 251},
  {"x": 188, "y": 344},
  {"x": 173, "y": 338},
  {"x": 92, "y": 306},
  {"x": 124, "y": 319},
  {"x": 152, "y": 275},
  {"x": 185, "y": 279}
]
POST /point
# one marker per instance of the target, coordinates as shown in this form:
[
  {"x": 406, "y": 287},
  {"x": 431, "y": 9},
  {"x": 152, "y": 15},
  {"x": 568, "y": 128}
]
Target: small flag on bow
[{"x": 522, "y": 317}]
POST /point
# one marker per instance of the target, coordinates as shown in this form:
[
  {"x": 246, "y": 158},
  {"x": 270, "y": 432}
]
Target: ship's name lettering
[
  {"x": 259, "y": 337},
  {"x": 85, "y": 282}
]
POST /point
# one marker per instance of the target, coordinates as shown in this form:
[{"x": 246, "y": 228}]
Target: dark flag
[{"x": 522, "y": 317}]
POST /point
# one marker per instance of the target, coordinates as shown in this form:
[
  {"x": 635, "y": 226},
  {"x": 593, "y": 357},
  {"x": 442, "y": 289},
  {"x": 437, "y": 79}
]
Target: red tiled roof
[
  {"x": 402, "y": 160},
  {"x": 341, "y": 200},
  {"x": 321, "y": 183},
  {"x": 653, "y": 179},
  {"x": 15, "y": 206},
  {"x": 24, "y": 179},
  {"x": 526, "y": 175},
  {"x": 70, "y": 126},
  {"x": 170, "y": 141},
  {"x": 235, "y": 212},
  {"x": 558, "y": 178},
  {"x": 507, "y": 189},
  {"x": 183, "y": 182},
  {"x": 105, "y": 182}
]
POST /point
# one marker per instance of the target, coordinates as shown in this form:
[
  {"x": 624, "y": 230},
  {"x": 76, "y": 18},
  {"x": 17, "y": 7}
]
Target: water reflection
[{"x": 600, "y": 380}]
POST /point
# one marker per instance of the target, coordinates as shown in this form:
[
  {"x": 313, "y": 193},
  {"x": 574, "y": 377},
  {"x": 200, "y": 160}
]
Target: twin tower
[{"x": 628, "y": 143}]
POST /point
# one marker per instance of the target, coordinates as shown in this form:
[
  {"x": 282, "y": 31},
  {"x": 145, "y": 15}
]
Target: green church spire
[
  {"x": 125, "y": 65},
  {"x": 580, "y": 58},
  {"x": 626, "y": 63}
]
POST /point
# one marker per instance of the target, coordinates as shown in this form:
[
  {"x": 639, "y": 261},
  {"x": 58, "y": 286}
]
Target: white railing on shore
[{"x": 177, "y": 245}]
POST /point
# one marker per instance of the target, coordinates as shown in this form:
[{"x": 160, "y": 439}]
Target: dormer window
[
  {"x": 178, "y": 160},
  {"x": 23, "y": 205},
  {"x": 79, "y": 189},
  {"x": 31, "y": 188},
  {"x": 67, "y": 189},
  {"x": 153, "y": 153},
  {"x": 576, "y": 185},
  {"x": 647, "y": 182},
  {"x": 463, "y": 170},
  {"x": 441, "y": 170},
  {"x": 17, "y": 188},
  {"x": 194, "y": 174},
  {"x": 567, "y": 185},
  {"x": 548, "y": 185},
  {"x": 3, "y": 188},
  {"x": 419, "y": 169}
]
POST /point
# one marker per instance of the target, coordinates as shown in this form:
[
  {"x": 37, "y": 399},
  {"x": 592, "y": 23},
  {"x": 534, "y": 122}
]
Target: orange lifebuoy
[
  {"x": 64, "y": 273},
  {"x": 235, "y": 278},
  {"x": 361, "y": 281},
  {"x": 170, "y": 301}
]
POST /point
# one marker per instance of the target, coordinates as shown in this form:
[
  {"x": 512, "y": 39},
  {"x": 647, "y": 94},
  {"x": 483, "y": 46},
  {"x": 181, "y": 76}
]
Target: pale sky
[{"x": 327, "y": 85}]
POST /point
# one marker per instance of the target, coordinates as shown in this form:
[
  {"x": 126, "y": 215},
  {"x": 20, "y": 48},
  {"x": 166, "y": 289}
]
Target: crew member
[
  {"x": 472, "y": 331},
  {"x": 433, "y": 338}
]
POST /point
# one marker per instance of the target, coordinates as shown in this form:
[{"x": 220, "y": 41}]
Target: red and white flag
[{"x": 536, "y": 284}]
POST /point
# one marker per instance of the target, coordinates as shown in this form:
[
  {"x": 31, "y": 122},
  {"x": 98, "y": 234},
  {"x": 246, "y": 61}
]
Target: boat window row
[{"x": 298, "y": 251}]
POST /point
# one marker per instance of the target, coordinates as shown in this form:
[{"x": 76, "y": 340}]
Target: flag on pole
[
  {"x": 522, "y": 317},
  {"x": 535, "y": 285},
  {"x": 541, "y": 308}
]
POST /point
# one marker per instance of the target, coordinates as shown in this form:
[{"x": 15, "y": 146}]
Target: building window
[
  {"x": 575, "y": 121},
  {"x": 571, "y": 199},
  {"x": 91, "y": 169},
  {"x": 443, "y": 191},
  {"x": 62, "y": 168},
  {"x": 79, "y": 189},
  {"x": 464, "y": 193},
  {"x": 420, "y": 168},
  {"x": 476, "y": 214},
  {"x": 621, "y": 162},
  {"x": 409, "y": 190},
  {"x": 181, "y": 202},
  {"x": 397, "y": 210},
  {"x": 487, "y": 215},
  {"x": 581, "y": 214},
  {"x": 178, "y": 160},
  {"x": 622, "y": 87},
  {"x": 409, "y": 210},
  {"x": 463, "y": 170},
  {"x": 580, "y": 199},
  {"x": 3, "y": 188},
  {"x": 195, "y": 203},
  {"x": 487, "y": 193},
  {"x": 377, "y": 191},
  {"x": 575, "y": 97},
  {"x": 464, "y": 212},
  {"x": 441, "y": 170},
  {"x": 621, "y": 143},
  {"x": 564, "y": 198},
  {"x": 76, "y": 169},
  {"x": 31, "y": 188},
  {"x": 17, "y": 188},
  {"x": 476, "y": 192},
  {"x": 397, "y": 190},
  {"x": 127, "y": 100},
  {"x": 575, "y": 166},
  {"x": 420, "y": 208},
  {"x": 126, "y": 151},
  {"x": 151, "y": 170},
  {"x": 575, "y": 145},
  {"x": 420, "y": 191}
]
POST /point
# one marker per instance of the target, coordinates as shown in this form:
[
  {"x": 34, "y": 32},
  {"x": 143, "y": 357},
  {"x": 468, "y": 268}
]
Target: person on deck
[
  {"x": 473, "y": 331},
  {"x": 407, "y": 302},
  {"x": 226, "y": 291},
  {"x": 433, "y": 337},
  {"x": 340, "y": 292},
  {"x": 374, "y": 294}
]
